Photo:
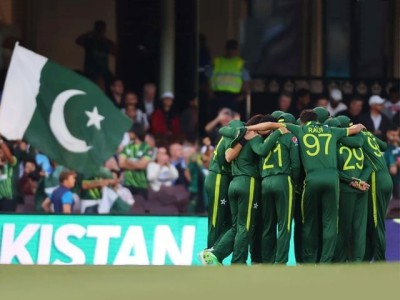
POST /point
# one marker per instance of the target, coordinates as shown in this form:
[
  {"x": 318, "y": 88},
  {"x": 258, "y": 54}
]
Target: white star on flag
[
  {"x": 223, "y": 201},
  {"x": 94, "y": 118},
  {"x": 255, "y": 205}
]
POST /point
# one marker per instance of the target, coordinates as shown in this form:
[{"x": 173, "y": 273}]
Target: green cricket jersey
[
  {"x": 283, "y": 159},
  {"x": 9, "y": 174},
  {"x": 318, "y": 145},
  {"x": 247, "y": 162},
  {"x": 136, "y": 178},
  {"x": 350, "y": 165},
  {"x": 95, "y": 193},
  {"x": 218, "y": 163},
  {"x": 263, "y": 147},
  {"x": 373, "y": 148}
]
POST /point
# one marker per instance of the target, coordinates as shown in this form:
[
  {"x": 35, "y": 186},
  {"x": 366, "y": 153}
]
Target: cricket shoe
[{"x": 209, "y": 259}]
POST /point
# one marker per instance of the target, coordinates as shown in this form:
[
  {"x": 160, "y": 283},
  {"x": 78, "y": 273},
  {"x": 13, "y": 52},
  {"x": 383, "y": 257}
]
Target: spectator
[
  {"x": 149, "y": 98},
  {"x": 92, "y": 190},
  {"x": 335, "y": 105},
  {"x": 322, "y": 101},
  {"x": 207, "y": 152},
  {"x": 112, "y": 163},
  {"x": 134, "y": 160},
  {"x": 229, "y": 77},
  {"x": 131, "y": 98},
  {"x": 27, "y": 184},
  {"x": 137, "y": 117},
  {"x": 195, "y": 176},
  {"x": 62, "y": 199},
  {"x": 178, "y": 160},
  {"x": 116, "y": 199},
  {"x": 121, "y": 191},
  {"x": 97, "y": 50},
  {"x": 190, "y": 120},
  {"x": 392, "y": 157},
  {"x": 375, "y": 121},
  {"x": 355, "y": 109},
  {"x": 43, "y": 162},
  {"x": 303, "y": 102},
  {"x": 161, "y": 172},
  {"x": 151, "y": 141},
  {"x": 285, "y": 102},
  {"x": 392, "y": 105},
  {"x": 117, "y": 93},
  {"x": 165, "y": 120},
  {"x": 225, "y": 115},
  {"x": 9, "y": 170}
]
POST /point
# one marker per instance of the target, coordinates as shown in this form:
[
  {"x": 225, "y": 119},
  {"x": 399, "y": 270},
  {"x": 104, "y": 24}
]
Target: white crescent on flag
[{"x": 59, "y": 127}]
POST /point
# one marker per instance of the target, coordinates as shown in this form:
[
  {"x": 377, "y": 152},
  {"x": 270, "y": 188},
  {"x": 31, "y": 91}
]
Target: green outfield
[{"x": 369, "y": 281}]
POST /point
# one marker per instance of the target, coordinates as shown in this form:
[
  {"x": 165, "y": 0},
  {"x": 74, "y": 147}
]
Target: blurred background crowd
[{"x": 180, "y": 70}]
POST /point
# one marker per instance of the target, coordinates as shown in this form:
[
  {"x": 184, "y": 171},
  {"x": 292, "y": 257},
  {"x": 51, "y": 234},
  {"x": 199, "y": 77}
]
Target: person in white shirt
[
  {"x": 137, "y": 116},
  {"x": 335, "y": 104},
  {"x": 123, "y": 192},
  {"x": 392, "y": 105},
  {"x": 161, "y": 172}
]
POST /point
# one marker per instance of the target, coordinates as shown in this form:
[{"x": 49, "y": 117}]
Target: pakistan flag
[{"x": 64, "y": 115}]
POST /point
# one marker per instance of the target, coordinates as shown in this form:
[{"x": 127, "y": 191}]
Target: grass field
[{"x": 369, "y": 281}]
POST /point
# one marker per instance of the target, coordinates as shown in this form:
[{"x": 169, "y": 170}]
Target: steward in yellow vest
[{"x": 229, "y": 77}]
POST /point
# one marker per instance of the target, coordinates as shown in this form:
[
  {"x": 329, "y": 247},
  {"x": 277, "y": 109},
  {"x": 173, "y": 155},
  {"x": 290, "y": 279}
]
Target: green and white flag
[{"x": 59, "y": 112}]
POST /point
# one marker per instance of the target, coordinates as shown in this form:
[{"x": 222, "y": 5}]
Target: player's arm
[
  {"x": 354, "y": 141},
  {"x": 228, "y": 132},
  {"x": 232, "y": 153},
  {"x": 237, "y": 144},
  {"x": 262, "y": 148},
  {"x": 352, "y": 130},
  {"x": 382, "y": 145},
  {"x": 264, "y": 126},
  {"x": 295, "y": 162},
  {"x": 368, "y": 168},
  {"x": 235, "y": 147},
  {"x": 345, "y": 178}
]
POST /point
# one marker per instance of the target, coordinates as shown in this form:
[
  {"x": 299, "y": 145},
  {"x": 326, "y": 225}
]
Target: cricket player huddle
[{"x": 325, "y": 174}]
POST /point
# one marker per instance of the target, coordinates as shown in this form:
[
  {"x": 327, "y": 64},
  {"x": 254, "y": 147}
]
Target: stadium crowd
[
  {"x": 161, "y": 162},
  {"x": 158, "y": 169}
]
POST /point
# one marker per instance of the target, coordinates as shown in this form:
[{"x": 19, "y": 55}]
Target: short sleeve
[
  {"x": 295, "y": 129},
  {"x": 67, "y": 198},
  {"x": 340, "y": 132}
]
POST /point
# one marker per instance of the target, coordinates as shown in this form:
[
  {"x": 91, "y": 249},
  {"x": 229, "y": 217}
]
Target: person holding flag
[
  {"x": 9, "y": 171},
  {"x": 64, "y": 115}
]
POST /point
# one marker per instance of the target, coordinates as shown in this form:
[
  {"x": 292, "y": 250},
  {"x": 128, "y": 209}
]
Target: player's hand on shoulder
[{"x": 250, "y": 134}]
